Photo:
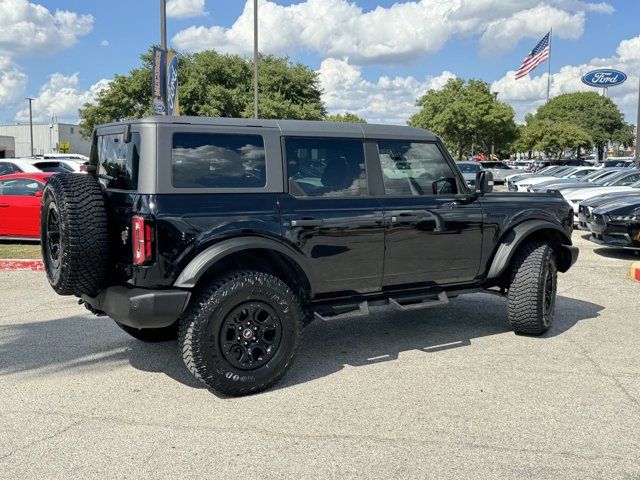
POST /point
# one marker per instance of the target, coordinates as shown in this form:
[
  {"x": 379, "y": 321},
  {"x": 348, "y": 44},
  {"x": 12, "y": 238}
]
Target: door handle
[
  {"x": 307, "y": 222},
  {"x": 4, "y": 205},
  {"x": 407, "y": 217}
]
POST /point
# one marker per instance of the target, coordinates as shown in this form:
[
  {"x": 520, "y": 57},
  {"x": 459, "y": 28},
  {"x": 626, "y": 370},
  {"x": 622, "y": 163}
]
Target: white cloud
[
  {"x": 504, "y": 33},
  {"x": 528, "y": 93},
  {"x": 13, "y": 82},
  {"x": 62, "y": 96},
  {"x": 400, "y": 33},
  {"x": 185, "y": 8},
  {"x": 104, "y": 43},
  {"x": 387, "y": 100},
  {"x": 27, "y": 28}
]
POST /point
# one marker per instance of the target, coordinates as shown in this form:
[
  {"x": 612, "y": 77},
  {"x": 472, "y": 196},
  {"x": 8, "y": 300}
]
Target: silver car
[{"x": 500, "y": 171}]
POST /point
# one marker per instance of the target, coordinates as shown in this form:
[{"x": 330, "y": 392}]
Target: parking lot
[{"x": 447, "y": 392}]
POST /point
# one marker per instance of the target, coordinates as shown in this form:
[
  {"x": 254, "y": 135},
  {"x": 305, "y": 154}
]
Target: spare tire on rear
[{"x": 74, "y": 235}]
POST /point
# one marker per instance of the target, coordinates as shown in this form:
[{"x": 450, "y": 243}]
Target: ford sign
[
  {"x": 604, "y": 78},
  {"x": 172, "y": 85}
]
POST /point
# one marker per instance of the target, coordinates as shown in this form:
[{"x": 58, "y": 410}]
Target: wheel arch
[
  {"x": 255, "y": 253},
  {"x": 528, "y": 231}
]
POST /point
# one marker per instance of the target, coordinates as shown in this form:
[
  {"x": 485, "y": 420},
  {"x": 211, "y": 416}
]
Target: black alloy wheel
[{"x": 250, "y": 335}]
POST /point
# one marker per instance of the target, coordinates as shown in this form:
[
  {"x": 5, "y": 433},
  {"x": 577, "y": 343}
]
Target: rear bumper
[{"x": 139, "y": 307}]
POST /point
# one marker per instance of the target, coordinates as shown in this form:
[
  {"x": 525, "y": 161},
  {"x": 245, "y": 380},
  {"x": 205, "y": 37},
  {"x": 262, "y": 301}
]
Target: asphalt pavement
[{"x": 448, "y": 392}]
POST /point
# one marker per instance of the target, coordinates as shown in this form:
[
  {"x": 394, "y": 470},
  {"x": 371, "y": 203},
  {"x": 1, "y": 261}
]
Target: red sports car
[{"x": 20, "y": 197}]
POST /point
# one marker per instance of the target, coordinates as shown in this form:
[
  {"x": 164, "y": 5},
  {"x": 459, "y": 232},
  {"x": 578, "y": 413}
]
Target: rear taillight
[{"x": 142, "y": 241}]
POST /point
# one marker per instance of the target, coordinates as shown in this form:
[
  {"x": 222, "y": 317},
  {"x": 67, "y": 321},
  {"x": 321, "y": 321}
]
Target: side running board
[
  {"x": 357, "y": 310},
  {"x": 442, "y": 299}
]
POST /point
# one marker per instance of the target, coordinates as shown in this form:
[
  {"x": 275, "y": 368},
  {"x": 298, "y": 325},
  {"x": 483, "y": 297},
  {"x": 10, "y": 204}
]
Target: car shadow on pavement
[
  {"x": 83, "y": 342},
  {"x": 330, "y": 346}
]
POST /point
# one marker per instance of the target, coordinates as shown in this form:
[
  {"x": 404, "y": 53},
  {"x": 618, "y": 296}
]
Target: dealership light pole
[
  {"x": 163, "y": 24},
  {"x": 638, "y": 130},
  {"x": 31, "y": 122},
  {"x": 255, "y": 58}
]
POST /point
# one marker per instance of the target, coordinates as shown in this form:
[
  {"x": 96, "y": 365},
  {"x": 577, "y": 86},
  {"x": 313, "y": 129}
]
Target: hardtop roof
[{"x": 295, "y": 127}]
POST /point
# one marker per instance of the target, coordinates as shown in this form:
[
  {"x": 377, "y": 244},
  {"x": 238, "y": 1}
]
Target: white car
[
  {"x": 57, "y": 165},
  {"x": 573, "y": 172},
  {"x": 17, "y": 165}
]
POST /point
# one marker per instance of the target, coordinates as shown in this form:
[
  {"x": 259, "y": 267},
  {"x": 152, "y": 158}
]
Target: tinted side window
[
  {"x": 118, "y": 161},
  {"x": 216, "y": 160},
  {"x": 20, "y": 187},
  {"x": 410, "y": 168},
  {"x": 320, "y": 167},
  {"x": 6, "y": 168}
]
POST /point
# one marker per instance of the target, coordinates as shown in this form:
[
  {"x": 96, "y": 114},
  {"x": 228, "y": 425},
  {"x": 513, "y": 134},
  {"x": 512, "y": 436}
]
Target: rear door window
[
  {"x": 320, "y": 167},
  {"x": 6, "y": 168},
  {"x": 118, "y": 162},
  {"x": 218, "y": 160}
]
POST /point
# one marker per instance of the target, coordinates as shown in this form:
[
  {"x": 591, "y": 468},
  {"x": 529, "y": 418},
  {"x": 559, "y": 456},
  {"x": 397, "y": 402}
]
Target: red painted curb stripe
[
  {"x": 637, "y": 274},
  {"x": 15, "y": 265}
]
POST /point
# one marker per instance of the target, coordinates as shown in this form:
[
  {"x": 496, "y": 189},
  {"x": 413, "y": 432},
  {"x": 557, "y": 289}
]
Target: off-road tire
[
  {"x": 201, "y": 331},
  {"x": 534, "y": 277},
  {"x": 152, "y": 335},
  {"x": 81, "y": 264}
]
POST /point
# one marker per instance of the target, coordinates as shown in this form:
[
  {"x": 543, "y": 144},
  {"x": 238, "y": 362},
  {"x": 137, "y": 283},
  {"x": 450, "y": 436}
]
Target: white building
[
  {"x": 7, "y": 147},
  {"x": 47, "y": 138}
]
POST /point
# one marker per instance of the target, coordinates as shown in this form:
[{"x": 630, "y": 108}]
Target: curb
[
  {"x": 21, "y": 265},
  {"x": 634, "y": 273}
]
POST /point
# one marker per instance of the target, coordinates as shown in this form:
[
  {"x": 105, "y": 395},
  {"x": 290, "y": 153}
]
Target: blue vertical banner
[
  {"x": 172, "y": 104},
  {"x": 164, "y": 86}
]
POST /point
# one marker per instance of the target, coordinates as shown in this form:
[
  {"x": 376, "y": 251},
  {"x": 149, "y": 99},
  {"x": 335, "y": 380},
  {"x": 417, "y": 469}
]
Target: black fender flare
[
  {"x": 510, "y": 242},
  {"x": 199, "y": 265}
]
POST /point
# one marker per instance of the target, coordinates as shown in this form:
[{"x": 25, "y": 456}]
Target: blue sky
[{"x": 416, "y": 50}]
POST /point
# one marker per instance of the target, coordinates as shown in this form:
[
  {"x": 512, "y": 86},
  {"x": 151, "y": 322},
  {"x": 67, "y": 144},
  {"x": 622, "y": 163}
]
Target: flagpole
[{"x": 549, "y": 66}]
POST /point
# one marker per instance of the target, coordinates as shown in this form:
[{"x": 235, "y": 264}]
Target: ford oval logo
[{"x": 604, "y": 78}]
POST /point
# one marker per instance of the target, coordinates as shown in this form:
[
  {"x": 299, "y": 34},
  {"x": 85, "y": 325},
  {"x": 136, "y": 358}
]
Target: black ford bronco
[{"x": 232, "y": 234}]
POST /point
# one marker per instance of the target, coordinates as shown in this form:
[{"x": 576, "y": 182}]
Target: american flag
[{"x": 539, "y": 54}]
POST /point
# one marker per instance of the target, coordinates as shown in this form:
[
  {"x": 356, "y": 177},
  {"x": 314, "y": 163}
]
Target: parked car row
[
  {"x": 500, "y": 171},
  {"x": 22, "y": 181},
  {"x": 605, "y": 200}
]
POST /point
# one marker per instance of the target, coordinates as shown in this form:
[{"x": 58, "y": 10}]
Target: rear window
[
  {"x": 118, "y": 161},
  {"x": 217, "y": 160}
]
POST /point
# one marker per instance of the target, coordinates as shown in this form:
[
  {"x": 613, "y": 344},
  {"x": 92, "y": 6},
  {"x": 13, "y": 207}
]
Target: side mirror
[
  {"x": 445, "y": 186},
  {"x": 484, "y": 182},
  {"x": 38, "y": 193}
]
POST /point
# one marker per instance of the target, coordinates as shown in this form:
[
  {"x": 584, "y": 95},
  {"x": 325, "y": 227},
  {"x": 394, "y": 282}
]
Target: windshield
[
  {"x": 592, "y": 175},
  {"x": 499, "y": 165},
  {"x": 468, "y": 167},
  {"x": 613, "y": 179}
]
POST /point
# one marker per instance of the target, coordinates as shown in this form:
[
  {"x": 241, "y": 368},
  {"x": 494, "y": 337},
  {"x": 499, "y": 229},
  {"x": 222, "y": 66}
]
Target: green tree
[
  {"x": 346, "y": 117},
  {"x": 466, "y": 114},
  {"x": 590, "y": 111},
  {"x": 212, "y": 84},
  {"x": 551, "y": 137}
]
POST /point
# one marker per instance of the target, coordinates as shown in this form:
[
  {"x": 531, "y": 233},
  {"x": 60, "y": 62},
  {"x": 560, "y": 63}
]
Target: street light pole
[
  {"x": 163, "y": 24},
  {"x": 255, "y": 58},
  {"x": 31, "y": 123}
]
